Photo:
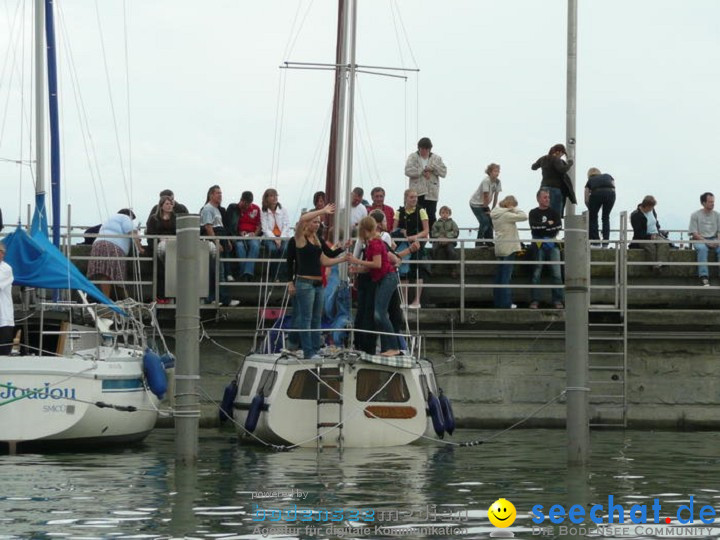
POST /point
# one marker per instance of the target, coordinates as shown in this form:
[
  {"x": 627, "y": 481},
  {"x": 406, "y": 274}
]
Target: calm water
[{"x": 140, "y": 493}]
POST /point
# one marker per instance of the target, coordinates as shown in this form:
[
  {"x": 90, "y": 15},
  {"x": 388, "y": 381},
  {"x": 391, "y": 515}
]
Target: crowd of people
[{"x": 242, "y": 229}]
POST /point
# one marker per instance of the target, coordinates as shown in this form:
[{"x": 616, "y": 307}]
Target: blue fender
[
  {"x": 436, "y": 415},
  {"x": 253, "y": 415},
  {"x": 447, "y": 411},
  {"x": 155, "y": 373},
  {"x": 226, "y": 406}
]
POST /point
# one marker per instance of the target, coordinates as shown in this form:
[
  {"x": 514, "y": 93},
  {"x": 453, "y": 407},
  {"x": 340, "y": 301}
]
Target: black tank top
[{"x": 308, "y": 260}]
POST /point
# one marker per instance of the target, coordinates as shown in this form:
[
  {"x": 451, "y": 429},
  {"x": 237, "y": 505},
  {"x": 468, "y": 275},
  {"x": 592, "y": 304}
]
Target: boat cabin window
[
  {"x": 370, "y": 381},
  {"x": 424, "y": 386},
  {"x": 267, "y": 381},
  {"x": 304, "y": 384},
  {"x": 248, "y": 380}
]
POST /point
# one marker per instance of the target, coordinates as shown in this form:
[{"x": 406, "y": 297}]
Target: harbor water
[{"x": 433, "y": 491}]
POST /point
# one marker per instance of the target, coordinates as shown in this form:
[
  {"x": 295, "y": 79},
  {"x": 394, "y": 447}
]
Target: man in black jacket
[
  {"x": 646, "y": 227},
  {"x": 545, "y": 223},
  {"x": 555, "y": 177}
]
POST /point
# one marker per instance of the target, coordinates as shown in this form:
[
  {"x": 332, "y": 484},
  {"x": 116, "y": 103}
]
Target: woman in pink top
[{"x": 383, "y": 273}]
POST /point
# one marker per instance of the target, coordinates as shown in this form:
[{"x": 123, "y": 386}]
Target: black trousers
[{"x": 6, "y": 338}]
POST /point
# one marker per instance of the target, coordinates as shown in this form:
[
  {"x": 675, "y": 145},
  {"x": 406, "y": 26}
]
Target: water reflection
[{"x": 143, "y": 494}]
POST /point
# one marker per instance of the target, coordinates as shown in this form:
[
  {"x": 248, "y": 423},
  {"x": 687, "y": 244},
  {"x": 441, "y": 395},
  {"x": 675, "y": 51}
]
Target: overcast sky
[{"x": 204, "y": 104}]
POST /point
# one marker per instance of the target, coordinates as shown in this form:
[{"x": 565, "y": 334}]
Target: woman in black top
[
  {"x": 599, "y": 193},
  {"x": 555, "y": 177},
  {"x": 309, "y": 260},
  {"x": 162, "y": 222}
]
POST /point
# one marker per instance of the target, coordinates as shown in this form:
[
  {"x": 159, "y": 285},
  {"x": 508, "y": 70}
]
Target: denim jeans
[
  {"x": 702, "y": 257},
  {"x": 604, "y": 199},
  {"x": 309, "y": 302},
  {"x": 224, "y": 295},
  {"x": 557, "y": 200},
  {"x": 247, "y": 249},
  {"x": 552, "y": 254},
  {"x": 277, "y": 270},
  {"x": 485, "y": 226},
  {"x": 384, "y": 292},
  {"x": 503, "y": 275},
  {"x": 404, "y": 267}
]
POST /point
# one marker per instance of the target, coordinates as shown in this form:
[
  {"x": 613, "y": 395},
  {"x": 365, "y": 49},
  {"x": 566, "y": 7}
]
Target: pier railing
[{"x": 619, "y": 270}]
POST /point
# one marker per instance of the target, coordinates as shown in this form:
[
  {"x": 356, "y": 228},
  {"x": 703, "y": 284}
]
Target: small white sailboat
[
  {"x": 346, "y": 398},
  {"x": 82, "y": 374}
]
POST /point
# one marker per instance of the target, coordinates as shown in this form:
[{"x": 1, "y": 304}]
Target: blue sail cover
[{"x": 38, "y": 263}]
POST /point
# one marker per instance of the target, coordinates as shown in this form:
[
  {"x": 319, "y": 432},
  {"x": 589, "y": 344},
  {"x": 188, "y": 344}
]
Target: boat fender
[
  {"x": 226, "y": 407},
  {"x": 168, "y": 361},
  {"x": 447, "y": 411},
  {"x": 436, "y": 415},
  {"x": 155, "y": 373},
  {"x": 253, "y": 415}
]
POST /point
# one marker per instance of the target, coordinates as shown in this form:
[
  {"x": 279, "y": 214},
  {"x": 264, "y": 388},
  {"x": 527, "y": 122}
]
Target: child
[{"x": 445, "y": 227}]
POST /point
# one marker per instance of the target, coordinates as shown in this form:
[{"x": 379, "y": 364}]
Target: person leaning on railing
[
  {"x": 411, "y": 222},
  {"x": 107, "y": 251},
  {"x": 646, "y": 227}
]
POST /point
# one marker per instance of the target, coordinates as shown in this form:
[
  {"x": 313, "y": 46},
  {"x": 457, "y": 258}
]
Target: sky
[{"x": 184, "y": 95}]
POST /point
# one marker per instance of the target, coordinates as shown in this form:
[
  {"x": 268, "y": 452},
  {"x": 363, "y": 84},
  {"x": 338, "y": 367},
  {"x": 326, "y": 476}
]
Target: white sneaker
[
  {"x": 513, "y": 306},
  {"x": 234, "y": 303},
  {"x": 229, "y": 278}
]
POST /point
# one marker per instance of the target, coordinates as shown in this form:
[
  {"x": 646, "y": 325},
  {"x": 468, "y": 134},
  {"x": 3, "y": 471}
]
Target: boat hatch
[
  {"x": 375, "y": 381},
  {"x": 304, "y": 384}
]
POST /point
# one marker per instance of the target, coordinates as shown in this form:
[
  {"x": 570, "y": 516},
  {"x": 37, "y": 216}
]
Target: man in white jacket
[{"x": 424, "y": 169}]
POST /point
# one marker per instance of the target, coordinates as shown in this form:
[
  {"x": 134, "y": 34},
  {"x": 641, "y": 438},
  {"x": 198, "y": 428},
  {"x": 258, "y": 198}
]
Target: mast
[
  {"x": 350, "y": 117},
  {"x": 334, "y": 165},
  {"x": 39, "y": 106},
  {"x": 54, "y": 119}
]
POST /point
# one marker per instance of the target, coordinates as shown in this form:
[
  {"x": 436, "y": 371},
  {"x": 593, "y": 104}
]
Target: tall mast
[
  {"x": 54, "y": 119},
  {"x": 350, "y": 116},
  {"x": 39, "y": 99},
  {"x": 335, "y": 151}
]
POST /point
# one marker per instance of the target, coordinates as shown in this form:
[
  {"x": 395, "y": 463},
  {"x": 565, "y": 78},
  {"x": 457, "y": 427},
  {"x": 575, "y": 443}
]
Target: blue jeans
[
  {"x": 383, "y": 293},
  {"x": 404, "y": 267},
  {"x": 503, "y": 275},
  {"x": 552, "y": 254},
  {"x": 247, "y": 249},
  {"x": 277, "y": 270},
  {"x": 309, "y": 302},
  {"x": 557, "y": 200},
  {"x": 485, "y": 226},
  {"x": 702, "y": 257},
  {"x": 224, "y": 295},
  {"x": 604, "y": 199}
]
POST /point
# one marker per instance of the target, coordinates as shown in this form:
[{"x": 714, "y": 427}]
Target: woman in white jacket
[
  {"x": 276, "y": 227},
  {"x": 507, "y": 243}
]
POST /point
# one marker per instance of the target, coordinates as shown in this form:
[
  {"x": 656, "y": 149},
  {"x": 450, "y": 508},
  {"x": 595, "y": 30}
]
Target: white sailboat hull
[
  {"x": 50, "y": 398},
  {"x": 293, "y": 416}
]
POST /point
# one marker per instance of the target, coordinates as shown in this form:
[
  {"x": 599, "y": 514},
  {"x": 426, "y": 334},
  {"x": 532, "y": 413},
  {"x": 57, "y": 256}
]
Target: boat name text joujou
[{"x": 8, "y": 391}]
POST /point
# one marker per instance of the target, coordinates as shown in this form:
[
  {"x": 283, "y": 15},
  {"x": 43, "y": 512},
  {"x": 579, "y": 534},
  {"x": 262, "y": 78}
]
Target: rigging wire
[
  {"x": 84, "y": 122},
  {"x": 112, "y": 104},
  {"x": 293, "y": 39},
  {"x": 127, "y": 96}
]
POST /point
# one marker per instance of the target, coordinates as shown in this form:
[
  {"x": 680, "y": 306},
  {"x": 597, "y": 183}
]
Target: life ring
[
  {"x": 253, "y": 415},
  {"x": 447, "y": 411},
  {"x": 436, "y": 415},
  {"x": 226, "y": 406},
  {"x": 155, "y": 373}
]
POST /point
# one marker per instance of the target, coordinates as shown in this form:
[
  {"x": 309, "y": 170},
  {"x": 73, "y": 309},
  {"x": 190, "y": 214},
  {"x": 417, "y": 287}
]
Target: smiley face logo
[{"x": 502, "y": 513}]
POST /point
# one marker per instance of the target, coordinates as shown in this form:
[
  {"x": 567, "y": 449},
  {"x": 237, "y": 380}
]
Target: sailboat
[
  {"x": 346, "y": 398},
  {"x": 82, "y": 374}
]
